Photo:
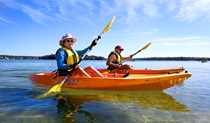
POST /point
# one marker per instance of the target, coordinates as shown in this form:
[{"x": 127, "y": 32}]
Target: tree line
[{"x": 92, "y": 57}]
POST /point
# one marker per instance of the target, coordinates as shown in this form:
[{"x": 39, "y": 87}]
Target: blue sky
[{"x": 175, "y": 27}]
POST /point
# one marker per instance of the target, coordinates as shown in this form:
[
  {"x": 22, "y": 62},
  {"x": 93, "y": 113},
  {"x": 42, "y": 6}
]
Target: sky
[{"x": 175, "y": 28}]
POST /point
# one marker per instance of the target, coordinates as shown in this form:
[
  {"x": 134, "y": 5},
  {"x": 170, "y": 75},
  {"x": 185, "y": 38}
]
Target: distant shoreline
[{"x": 92, "y": 57}]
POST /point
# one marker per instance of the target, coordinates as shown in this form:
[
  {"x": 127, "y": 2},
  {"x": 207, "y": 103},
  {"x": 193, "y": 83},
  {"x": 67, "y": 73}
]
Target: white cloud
[
  {"x": 126, "y": 10},
  {"x": 36, "y": 14},
  {"x": 136, "y": 10},
  {"x": 152, "y": 31},
  {"x": 6, "y": 21},
  {"x": 183, "y": 10},
  {"x": 194, "y": 9},
  {"x": 190, "y": 41}
]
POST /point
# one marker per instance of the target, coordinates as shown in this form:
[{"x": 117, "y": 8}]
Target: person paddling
[
  {"x": 114, "y": 60},
  {"x": 67, "y": 58}
]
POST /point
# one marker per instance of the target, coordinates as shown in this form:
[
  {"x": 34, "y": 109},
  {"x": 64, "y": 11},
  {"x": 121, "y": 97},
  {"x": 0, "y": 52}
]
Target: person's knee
[
  {"x": 79, "y": 68},
  {"x": 90, "y": 67}
]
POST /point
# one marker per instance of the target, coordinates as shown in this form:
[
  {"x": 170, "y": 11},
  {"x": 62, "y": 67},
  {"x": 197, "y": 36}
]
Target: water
[{"x": 188, "y": 102}]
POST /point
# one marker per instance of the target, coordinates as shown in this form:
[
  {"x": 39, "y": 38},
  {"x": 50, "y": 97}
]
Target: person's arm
[
  {"x": 128, "y": 58},
  {"x": 82, "y": 52},
  {"x": 124, "y": 58},
  {"x": 60, "y": 58}
]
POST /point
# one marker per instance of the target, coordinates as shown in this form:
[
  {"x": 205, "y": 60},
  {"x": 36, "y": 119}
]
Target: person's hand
[
  {"x": 74, "y": 66},
  {"x": 94, "y": 42},
  {"x": 117, "y": 65},
  {"x": 131, "y": 56}
]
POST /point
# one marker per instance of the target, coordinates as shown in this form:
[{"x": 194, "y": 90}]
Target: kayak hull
[
  {"x": 132, "y": 82},
  {"x": 144, "y": 71}
]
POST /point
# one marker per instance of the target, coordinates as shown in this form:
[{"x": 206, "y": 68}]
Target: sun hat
[
  {"x": 119, "y": 47},
  {"x": 67, "y": 36}
]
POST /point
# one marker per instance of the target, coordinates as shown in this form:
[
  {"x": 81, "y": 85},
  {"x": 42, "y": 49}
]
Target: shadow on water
[{"x": 71, "y": 102}]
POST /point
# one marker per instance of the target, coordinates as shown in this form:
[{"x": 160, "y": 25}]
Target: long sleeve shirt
[{"x": 61, "y": 57}]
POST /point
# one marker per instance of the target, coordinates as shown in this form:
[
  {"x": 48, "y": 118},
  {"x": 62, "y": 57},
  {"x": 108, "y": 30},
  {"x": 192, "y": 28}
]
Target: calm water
[{"x": 188, "y": 102}]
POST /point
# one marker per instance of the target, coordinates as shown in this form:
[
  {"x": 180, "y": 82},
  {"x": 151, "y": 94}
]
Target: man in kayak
[
  {"x": 67, "y": 58},
  {"x": 115, "y": 59}
]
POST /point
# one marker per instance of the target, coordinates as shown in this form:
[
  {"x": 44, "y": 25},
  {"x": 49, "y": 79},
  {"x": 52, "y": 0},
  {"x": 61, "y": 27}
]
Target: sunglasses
[
  {"x": 70, "y": 41},
  {"x": 121, "y": 49}
]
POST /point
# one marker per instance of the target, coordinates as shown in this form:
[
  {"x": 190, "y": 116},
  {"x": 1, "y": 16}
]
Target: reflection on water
[
  {"x": 68, "y": 107},
  {"x": 70, "y": 102}
]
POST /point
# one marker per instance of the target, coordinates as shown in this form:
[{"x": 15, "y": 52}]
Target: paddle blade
[
  {"x": 109, "y": 25},
  {"x": 145, "y": 47},
  {"x": 56, "y": 88},
  {"x": 106, "y": 72},
  {"x": 52, "y": 92}
]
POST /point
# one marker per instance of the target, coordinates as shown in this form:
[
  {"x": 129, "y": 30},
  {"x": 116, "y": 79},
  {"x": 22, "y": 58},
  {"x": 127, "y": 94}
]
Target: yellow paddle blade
[
  {"x": 106, "y": 72},
  {"x": 56, "y": 88},
  {"x": 109, "y": 25},
  {"x": 145, "y": 47},
  {"x": 52, "y": 92}
]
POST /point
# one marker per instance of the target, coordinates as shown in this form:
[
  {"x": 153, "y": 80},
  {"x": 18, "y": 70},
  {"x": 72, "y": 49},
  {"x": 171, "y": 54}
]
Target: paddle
[
  {"x": 57, "y": 88},
  {"x": 143, "y": 48}
]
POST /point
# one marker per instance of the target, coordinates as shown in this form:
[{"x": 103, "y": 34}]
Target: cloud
[
  {"x": 6, "y": 21},
  {"x": 181, "y": 10},
  {"x": 36, "y": 14},
  {"x": 190, "y": 41},
  {"x": 194, "y": 9},
  {"x": 152, "y": 31},
  {"x": 127, "y": 11},
  {"x": 136, "y": 10}
]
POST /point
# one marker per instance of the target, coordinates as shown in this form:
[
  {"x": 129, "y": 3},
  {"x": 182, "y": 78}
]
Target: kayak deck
[{"x": 144, "y": 71}]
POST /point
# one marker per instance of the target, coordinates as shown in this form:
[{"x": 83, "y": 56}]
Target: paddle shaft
[
  {"x": 133, "y": 55},
  {"x": 145, "y": 47},
  {"x": 136, "y": 52},
  {"x": 89, "y": 49}
]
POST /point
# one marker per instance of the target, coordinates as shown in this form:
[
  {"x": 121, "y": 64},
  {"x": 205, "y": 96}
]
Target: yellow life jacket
[
  {"x": 72, "y": 56},
  {"x": 119, "y": 58}
]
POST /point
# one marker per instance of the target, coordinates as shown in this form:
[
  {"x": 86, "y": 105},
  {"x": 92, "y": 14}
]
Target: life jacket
[
  {"x": 72, "y": 57},
  {"x": 118, "y": 61}
]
